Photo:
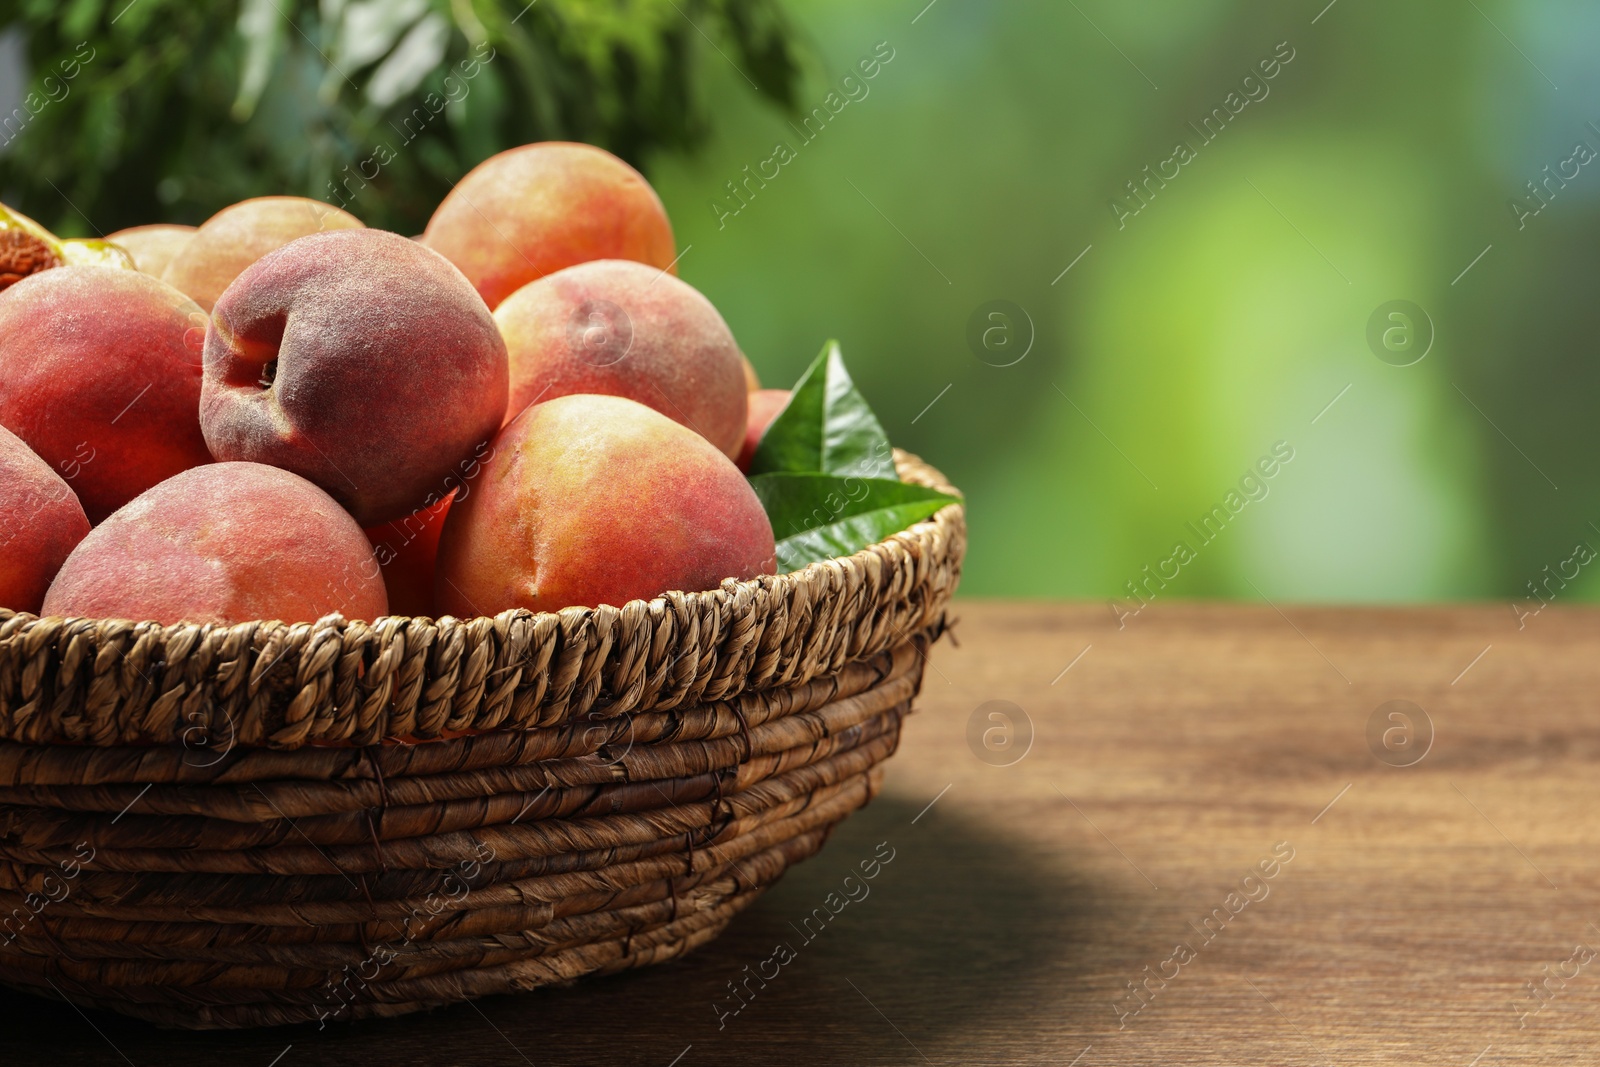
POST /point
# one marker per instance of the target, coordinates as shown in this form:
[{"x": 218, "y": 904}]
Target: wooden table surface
[{"x": 1409, "y": 913}]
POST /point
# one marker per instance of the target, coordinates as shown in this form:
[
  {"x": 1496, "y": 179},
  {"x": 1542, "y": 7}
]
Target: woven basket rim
[{"x": 339, "y": 682}]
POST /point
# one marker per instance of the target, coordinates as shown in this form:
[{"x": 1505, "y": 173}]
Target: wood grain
[{"x": 1171, "y": 759}]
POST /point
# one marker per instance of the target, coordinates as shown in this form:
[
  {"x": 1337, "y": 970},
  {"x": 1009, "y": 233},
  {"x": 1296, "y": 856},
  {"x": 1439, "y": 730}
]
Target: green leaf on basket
[
  {"x": 826, "y": 427},
  {"x": 820, "y": 516}
]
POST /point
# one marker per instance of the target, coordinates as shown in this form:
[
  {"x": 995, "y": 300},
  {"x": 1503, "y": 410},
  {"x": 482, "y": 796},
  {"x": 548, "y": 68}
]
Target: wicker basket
[{"x": 214, "y": 826}]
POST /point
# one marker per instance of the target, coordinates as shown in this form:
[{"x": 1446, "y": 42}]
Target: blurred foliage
[
  {"x": 1223, "y": 318},
  {"x": 177, "y": 108}
]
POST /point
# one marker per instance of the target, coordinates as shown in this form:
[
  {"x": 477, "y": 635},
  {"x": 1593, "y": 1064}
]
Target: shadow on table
[{"x": 944, "y": 944}]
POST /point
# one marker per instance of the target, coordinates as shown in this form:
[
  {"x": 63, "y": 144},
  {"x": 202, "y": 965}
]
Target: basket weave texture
[{"x": 215, "y": 827}]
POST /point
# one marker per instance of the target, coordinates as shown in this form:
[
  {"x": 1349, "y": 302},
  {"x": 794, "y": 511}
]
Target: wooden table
[{"x": 1408, "y": 909}]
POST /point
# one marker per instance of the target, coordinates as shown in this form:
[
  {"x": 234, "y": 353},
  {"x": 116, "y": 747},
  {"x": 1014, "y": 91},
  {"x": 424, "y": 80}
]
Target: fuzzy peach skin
[
  {"x": 357, "y": 359},
  {"x": 237, "y": 236},
  {"x": 152, "y": 247},
  {"x": 764, "y": 407},
  {"x": 100, "y": 375},
  {"x": 407, "y": 549},
  {"x": 624, "y": 329},
  {"x": 41, "y": 521},
  {"x": 752, "y": 380},
  {"x": 593, "y": 500},
  {"x": 224, "y": 543},
  {"x": 531, "y": 211}
]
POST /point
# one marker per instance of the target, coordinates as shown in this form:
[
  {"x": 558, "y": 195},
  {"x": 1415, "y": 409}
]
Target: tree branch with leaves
[{"x": 177, "y": 108}]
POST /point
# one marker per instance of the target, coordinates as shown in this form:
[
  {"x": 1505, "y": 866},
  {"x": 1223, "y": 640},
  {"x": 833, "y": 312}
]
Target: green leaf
[
  {"x": 819, "y": 516},
  {"x": 827, "y": 427},
  {"x": 825, "y": 473}
]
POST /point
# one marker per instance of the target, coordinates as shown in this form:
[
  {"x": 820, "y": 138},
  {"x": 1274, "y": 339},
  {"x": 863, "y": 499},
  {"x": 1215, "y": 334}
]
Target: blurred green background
[{"x": 1379, "y": 163}]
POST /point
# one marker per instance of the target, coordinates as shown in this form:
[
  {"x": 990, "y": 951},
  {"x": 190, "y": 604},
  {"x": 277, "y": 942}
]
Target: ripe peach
[
  {"x": 41, "y": 521},
  {"x": 224, "y": 543},
  {"x": 407, "y": 550},
  {"x": 764, "y": 407},
  {"x": 625, "y": 329},
  {"x": 360, "y": 360},
  {"x": 752, "y": 380},
  {"x": 237, "y": 236},
  {"x": 152, "y": 247},
  {"x": 100, "y": 375},
  {"x": 595, "y": 500},
  {"x": 531, "y": 211}
]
